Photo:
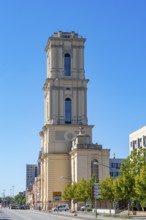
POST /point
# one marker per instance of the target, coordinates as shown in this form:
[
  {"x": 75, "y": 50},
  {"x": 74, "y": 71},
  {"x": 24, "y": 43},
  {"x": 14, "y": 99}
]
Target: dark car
[
  {"x": 12, "y": 206},
  {"x": 24, "y": 206}
]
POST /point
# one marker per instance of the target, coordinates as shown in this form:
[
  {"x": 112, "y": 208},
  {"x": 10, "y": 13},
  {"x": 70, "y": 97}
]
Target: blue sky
[{"x": 115, "y": 63}]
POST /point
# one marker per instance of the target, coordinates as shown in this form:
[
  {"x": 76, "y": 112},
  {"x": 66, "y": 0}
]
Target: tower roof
[{"x": 61, "y": 34}]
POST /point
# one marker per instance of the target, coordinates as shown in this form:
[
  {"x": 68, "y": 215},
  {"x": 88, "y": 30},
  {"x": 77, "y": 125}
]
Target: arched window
[
  {"x": 95, "y": 169},
  {"x": 67, "y": 65},
  {"x": 68, "y": 111}
]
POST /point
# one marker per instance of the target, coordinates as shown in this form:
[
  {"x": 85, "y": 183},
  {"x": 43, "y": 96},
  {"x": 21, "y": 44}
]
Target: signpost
[{"x": 96, "y": 193}]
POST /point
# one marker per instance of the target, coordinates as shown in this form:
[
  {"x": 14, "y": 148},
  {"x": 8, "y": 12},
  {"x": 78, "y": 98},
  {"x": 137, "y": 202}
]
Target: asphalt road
[{"x": 12, "y": 214}]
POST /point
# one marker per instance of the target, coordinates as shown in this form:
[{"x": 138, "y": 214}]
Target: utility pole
[
  {"x": 10, "y": 195},
  {"x": 3, "y": 197},
  {"x": 13, "y": 193}
]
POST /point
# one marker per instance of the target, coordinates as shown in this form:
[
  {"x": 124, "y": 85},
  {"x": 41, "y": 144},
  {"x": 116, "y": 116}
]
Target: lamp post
[
  {"x": 13, "y": 194},
  {"x": 3, "y": 194},
  {"x": 10, "y": 195},
  {"x": 13, "y": 191}
]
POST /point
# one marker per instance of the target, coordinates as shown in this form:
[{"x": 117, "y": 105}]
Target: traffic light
[{"x": 97, "y": 190}]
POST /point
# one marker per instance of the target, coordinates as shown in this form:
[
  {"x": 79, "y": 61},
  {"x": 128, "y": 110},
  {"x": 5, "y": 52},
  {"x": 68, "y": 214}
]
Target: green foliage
[
  {"x": 90, "y": 184},
  {"x": 107, "y": 187},
  {"x": 82, "y": 193},
  {"x": 79, "y": 191},
  {"x": 7, "y": 200},
  {"x": 134, "y": 162},
  {"x": 124, "y": 187},
  {"x": 140, "y": 186},
  {"x": 130, "y": 185},
  {"x": 20, "y": 199},
  {"x": 69, "y": 192}
]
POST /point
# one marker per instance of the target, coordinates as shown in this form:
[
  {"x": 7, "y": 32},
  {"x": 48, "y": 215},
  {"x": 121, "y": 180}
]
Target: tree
[
  {"x": 20, "y": 199},
  {"x": 8, "y": 199},
  {"x": 140, "y": 187},
  {"x": 136, "y": 160},
  {"x": 124, "y": 184},
  {"x": 130, "y": 168},
  {"x": 81, "y": 193},
  {"x": 69, "y": 192},
  {"x": 107, "y": 189}
]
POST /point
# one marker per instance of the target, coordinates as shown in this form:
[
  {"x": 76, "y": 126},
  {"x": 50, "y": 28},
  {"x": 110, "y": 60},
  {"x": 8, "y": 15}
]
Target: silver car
[{"x": 63, "y": 207}]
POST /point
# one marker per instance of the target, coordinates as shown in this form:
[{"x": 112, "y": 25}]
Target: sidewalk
[
  {"x": 84, "y": 215},
  {"x": 89, "y": 216}
]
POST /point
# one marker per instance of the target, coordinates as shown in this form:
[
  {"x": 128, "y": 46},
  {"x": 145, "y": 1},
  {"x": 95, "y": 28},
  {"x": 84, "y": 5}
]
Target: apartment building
[
  {"x": 137, "y": 139},
  {"x": 31, "y": 173}
]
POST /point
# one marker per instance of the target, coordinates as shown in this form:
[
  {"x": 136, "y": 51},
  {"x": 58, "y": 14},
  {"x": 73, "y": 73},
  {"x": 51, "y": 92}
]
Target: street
[{"x": 15, "y": 214}]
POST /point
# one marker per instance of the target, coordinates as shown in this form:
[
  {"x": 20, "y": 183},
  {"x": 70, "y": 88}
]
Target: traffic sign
[{"x": 97, "y": 190}]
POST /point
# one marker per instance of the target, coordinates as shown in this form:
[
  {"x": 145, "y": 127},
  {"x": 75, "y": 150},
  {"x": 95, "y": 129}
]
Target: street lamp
[
  {"x": 10, "y": 195},
  {"x": 3, "y": 194},
  {"x": 13, "y": 191},
  {"x": 97, "y": 163}
]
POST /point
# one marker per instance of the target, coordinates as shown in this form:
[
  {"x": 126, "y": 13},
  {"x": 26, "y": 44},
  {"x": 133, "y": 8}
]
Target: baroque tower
[{"x": 65, "y": 110}]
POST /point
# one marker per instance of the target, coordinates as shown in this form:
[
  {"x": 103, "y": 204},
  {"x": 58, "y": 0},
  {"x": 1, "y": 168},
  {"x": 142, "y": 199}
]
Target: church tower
[{"x": 65, "y": 110}]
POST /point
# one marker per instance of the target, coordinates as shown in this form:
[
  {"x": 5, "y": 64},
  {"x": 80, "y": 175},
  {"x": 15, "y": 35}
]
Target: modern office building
[
  {"x": 67, "y": 150},
  {"x": 31, "y": 173},
  {"x": 115, "y": 165},
  {"x": 137, "y": 139}
]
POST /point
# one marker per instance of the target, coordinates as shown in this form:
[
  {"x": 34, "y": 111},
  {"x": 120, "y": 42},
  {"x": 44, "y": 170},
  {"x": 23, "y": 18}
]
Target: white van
[{"x": 63, "y": 207}]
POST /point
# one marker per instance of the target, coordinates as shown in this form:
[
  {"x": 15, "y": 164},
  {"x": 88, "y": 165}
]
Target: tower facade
[{"x": 65, "y": 109}]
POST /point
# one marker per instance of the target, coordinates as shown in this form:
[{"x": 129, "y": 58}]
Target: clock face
[{"x": 70, "y": 136}]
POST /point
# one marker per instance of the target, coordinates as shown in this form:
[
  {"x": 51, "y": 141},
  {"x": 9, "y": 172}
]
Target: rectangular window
[
  {"x": 67, "y": 111},
  {"x": 139, "y": 142},
  {"x": 67, "y": 65},
  {"x": 111, "y": 173},
  {"x": 112, "y": 165}
]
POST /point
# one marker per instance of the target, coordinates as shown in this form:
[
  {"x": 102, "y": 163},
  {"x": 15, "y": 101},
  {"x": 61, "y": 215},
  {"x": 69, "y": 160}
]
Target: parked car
[
  {"x": 63, "y": 207},
  {"x": 85, "y": 207},
  {"x": 13, "y": 206},
  {"x": 24, "y": 206}
]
